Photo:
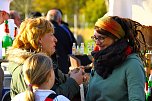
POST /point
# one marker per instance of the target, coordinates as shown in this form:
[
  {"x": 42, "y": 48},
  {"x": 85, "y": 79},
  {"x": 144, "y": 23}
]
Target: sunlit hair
[
  {"x": 36, "y": 71},
  {"x": 132, "y": 31},
  {"x": 30, "y": 32}
]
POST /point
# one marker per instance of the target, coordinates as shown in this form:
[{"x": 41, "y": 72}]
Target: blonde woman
[
  {"x": 37, "y": 35},
  {"x": 39, "y": 76}
]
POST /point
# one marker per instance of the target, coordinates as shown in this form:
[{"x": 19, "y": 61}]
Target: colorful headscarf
[{"x": 110, "y": 25}]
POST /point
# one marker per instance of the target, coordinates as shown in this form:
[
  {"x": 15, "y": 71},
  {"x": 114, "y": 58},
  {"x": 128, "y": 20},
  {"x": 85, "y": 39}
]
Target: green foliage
[
  {"x": 88, "y": 11},
  {"x": 93, "y": 10},
  {"x": 22, "y": 6}
]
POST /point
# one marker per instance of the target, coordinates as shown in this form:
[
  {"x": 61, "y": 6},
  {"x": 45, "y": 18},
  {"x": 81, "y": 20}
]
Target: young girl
[{"x": 39, "y": 76}]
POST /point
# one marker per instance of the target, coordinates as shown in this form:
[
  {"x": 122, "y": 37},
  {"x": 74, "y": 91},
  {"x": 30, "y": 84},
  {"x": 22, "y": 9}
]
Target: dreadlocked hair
[{"x": 132, "y": 31}]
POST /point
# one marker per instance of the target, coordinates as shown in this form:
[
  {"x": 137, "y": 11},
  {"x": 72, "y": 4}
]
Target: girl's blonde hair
[
  {"x": 36, "y": 71},
  {"x": 30, "y": 32}
]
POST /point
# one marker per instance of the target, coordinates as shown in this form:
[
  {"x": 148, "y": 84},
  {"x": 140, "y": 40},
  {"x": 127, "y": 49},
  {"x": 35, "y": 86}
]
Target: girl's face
[
  {"x": 102, "y": 41},
  {"x": 48, "y": 43}
]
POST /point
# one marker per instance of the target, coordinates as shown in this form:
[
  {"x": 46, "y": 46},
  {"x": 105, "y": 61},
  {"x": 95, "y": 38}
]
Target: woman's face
[
  {"x": 102, "y": 41},
  {"x": 48, "y": 43}
]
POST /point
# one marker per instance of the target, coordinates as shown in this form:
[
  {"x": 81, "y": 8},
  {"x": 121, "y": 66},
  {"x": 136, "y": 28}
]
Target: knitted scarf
[{"x": 105, "y": 61}]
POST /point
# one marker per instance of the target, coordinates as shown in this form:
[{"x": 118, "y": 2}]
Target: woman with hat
[{"x": 118, "y": 73}]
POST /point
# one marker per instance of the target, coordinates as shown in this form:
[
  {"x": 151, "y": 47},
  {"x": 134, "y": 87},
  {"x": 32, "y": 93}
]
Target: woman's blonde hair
[
  {"x": 36, "y": 71},
  {"x": 30, "y": 32}
]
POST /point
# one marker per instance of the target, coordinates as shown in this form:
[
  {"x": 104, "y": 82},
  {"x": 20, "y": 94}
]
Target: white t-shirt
[{"x": 40, "y": 95}]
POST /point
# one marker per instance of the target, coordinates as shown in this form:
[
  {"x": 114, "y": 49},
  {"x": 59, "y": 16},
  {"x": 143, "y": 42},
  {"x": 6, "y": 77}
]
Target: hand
[
  {"x": 75, "y": 70},
  {"x": 78, "y": 75}
]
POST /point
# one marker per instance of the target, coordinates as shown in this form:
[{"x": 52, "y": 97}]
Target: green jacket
[
  {"x": 63, "y": 84},
  {"x": 126, "y": 83}
]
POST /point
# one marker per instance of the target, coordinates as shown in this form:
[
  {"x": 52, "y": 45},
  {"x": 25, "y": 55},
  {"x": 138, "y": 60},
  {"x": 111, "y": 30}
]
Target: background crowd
[{"x": 39, "y": 62}]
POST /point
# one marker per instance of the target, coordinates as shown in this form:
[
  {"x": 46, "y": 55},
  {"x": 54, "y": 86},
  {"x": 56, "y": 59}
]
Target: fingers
[
  {"x": 84, "y": 78},
  {"x": 82, "y": 71},
  {"x": 75, "y": 70},
  {"x": 79, "y": 75},
  {"x": 82, "y": 67}
]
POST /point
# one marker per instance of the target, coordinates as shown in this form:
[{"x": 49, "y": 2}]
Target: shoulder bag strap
[{"x": 51, "y": 97}]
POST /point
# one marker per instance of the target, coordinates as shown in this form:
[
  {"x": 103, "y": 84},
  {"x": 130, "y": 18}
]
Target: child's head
[{"x": 38, "y": 71}]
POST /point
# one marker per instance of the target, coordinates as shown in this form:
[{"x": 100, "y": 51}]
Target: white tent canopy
[{"x": 138, "y": 10}]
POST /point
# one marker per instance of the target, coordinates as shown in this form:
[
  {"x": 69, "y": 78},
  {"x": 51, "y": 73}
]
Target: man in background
[
  {"x": 3, "y": 16},
  {"x": 17, "y": 19},
  {"x": 35, "y": 14},
  {"x": 65, "y": 26},
  {"x": 63, "y": 47}
]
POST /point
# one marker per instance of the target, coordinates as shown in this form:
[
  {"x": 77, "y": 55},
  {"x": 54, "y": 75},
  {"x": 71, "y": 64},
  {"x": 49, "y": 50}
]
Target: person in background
[
  {"x": 17, "y": 19},
  {"x": 3, "y": 16},
  {"x": 35, "y": 14},
  {"x": 39, "y": 76},
  {"x": 1, "y": 81},
  {"x": 1, "y": 70},
  {"x": 64, "y": 44},
  {"x": 118, "y": 73},
  {"x": 65, "y": 26}
]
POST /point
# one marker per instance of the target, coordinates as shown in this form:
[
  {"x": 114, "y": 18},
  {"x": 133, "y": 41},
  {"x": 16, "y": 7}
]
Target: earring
[
  {"x": 40, "y": 48},
  {"x": 116, "y": 40}
]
